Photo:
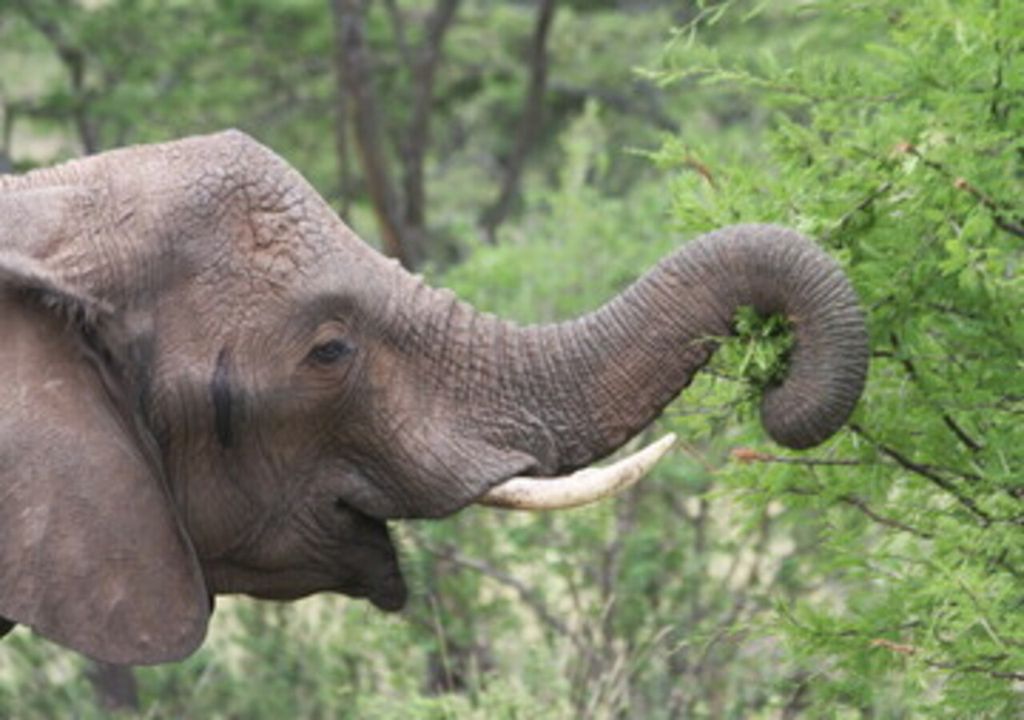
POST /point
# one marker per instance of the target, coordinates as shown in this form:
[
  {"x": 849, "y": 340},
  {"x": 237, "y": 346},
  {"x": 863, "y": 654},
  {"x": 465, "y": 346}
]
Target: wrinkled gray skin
[{"x": 211, "y": 385}]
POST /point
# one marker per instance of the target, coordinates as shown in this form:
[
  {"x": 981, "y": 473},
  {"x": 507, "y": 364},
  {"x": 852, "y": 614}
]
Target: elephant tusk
[{"x": 581, "y": 487}]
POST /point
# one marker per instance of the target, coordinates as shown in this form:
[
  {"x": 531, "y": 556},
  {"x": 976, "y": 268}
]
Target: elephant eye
[{"x": 330, "y": 352}]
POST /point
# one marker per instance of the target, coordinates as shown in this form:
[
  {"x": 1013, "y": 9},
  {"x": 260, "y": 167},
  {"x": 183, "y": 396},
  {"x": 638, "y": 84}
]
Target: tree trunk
[
  {"x": 423, "y": 68},
  {"x": 402, "y": 218},
  {"x": 353, "y": 67}
]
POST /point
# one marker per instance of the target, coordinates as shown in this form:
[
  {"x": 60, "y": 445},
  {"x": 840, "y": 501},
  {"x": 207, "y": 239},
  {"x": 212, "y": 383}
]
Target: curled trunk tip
[{"x": 779, "y": 271}]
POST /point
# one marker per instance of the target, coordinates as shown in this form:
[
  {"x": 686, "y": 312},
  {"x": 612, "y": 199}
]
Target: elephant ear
[{"x": 92, "y": 554}]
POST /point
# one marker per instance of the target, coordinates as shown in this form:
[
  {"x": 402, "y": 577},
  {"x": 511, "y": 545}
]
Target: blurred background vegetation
[{"x": 536, "y": 156}]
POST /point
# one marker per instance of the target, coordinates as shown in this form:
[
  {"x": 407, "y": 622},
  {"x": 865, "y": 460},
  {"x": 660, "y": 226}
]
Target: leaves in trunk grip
[{"x": 758, "y": 353}]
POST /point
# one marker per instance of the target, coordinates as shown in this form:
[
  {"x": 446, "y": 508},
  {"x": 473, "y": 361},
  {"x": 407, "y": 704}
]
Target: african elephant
[{"x": 211, "y": 385}]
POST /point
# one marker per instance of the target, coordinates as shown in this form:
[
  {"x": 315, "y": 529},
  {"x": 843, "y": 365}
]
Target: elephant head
[{"x": 211, "y": 385}]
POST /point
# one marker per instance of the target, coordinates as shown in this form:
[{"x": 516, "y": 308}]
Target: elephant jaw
[{"x": 579, "y": 488}]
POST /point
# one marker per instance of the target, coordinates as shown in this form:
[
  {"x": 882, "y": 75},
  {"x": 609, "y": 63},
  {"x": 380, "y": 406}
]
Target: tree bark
[{"x": 530, "y": 123}]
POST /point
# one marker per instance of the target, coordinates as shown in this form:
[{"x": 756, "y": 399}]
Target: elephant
[{"x": 210, "y": 385}]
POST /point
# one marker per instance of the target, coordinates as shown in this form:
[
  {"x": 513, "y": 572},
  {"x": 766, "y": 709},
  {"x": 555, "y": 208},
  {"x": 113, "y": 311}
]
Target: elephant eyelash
[{"x": 330, "y": 352}]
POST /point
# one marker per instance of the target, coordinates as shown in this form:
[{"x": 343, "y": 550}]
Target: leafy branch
[
  {"x": 998, "y": 210},
  {"x": 926, "y": 472}
]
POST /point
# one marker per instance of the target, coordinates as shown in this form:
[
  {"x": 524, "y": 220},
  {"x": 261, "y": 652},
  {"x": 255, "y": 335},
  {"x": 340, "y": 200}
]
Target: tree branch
[
  {"x": 115, "y": 686},
  {"x": 847, "y": 217},
  {"x": 398, "y": 30},
  {"x": 862, "y": 505},
  {"x": 74, "y": 60},
  {"x": 998, "y": 674},
  {"x": 525, "y": 593},
  {"x": 530, "y": 122},
  {"x": 423, "y": 69},
  {"x": 747, "y": 455},
  {"x": 926, "y": 472},
  {"x": 6, "y": 132},
  {"x": 1012, "y": 226},
  {"x": 354, "y": 68},
  {"x": 911, "y": 369},
  {"x": 341, "y": 128}
]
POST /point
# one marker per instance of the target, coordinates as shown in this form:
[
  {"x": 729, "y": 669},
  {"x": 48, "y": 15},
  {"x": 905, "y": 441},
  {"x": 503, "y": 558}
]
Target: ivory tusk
[{"x": 581, "y": 487}]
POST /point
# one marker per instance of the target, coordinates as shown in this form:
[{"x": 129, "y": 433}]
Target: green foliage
[
  {"x": 762, "y": 345},
  {"x": 903, "y": 153}
]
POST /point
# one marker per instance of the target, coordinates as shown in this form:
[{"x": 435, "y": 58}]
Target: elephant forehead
[
  {"x": 271, "y": 235},
  {"x": 275, "y": 247},
  {"x": 270, "y": 229}
]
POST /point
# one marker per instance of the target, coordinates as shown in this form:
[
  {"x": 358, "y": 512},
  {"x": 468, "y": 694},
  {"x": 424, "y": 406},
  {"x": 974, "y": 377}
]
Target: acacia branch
[
  {"x": 908, "y": 364},
  {"x": 911, "y": 650},
  {"x": 847, "y": 217},
  {"x": 747, "y": 455},
  {"x": 980, "y": 669},
  {"x": 926, "y": 472},
  {"x": 862, "y": 505},
  {"x": 797, "y": 702},
  {"x": 1012, "y": 226}
]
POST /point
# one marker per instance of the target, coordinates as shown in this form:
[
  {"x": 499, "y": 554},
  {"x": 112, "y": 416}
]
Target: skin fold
[{"x": 211, "y": 385}]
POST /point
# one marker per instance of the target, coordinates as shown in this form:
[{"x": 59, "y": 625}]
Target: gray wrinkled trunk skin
[{"x": 584, "y": 387}]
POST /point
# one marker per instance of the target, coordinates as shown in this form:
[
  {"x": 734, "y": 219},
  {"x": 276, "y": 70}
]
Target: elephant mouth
[{"x": 385, "y": 586}]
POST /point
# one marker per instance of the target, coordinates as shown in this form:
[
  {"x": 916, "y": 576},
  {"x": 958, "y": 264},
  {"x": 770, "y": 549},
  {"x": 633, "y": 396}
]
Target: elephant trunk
[{"x": 592, "y": 383}]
